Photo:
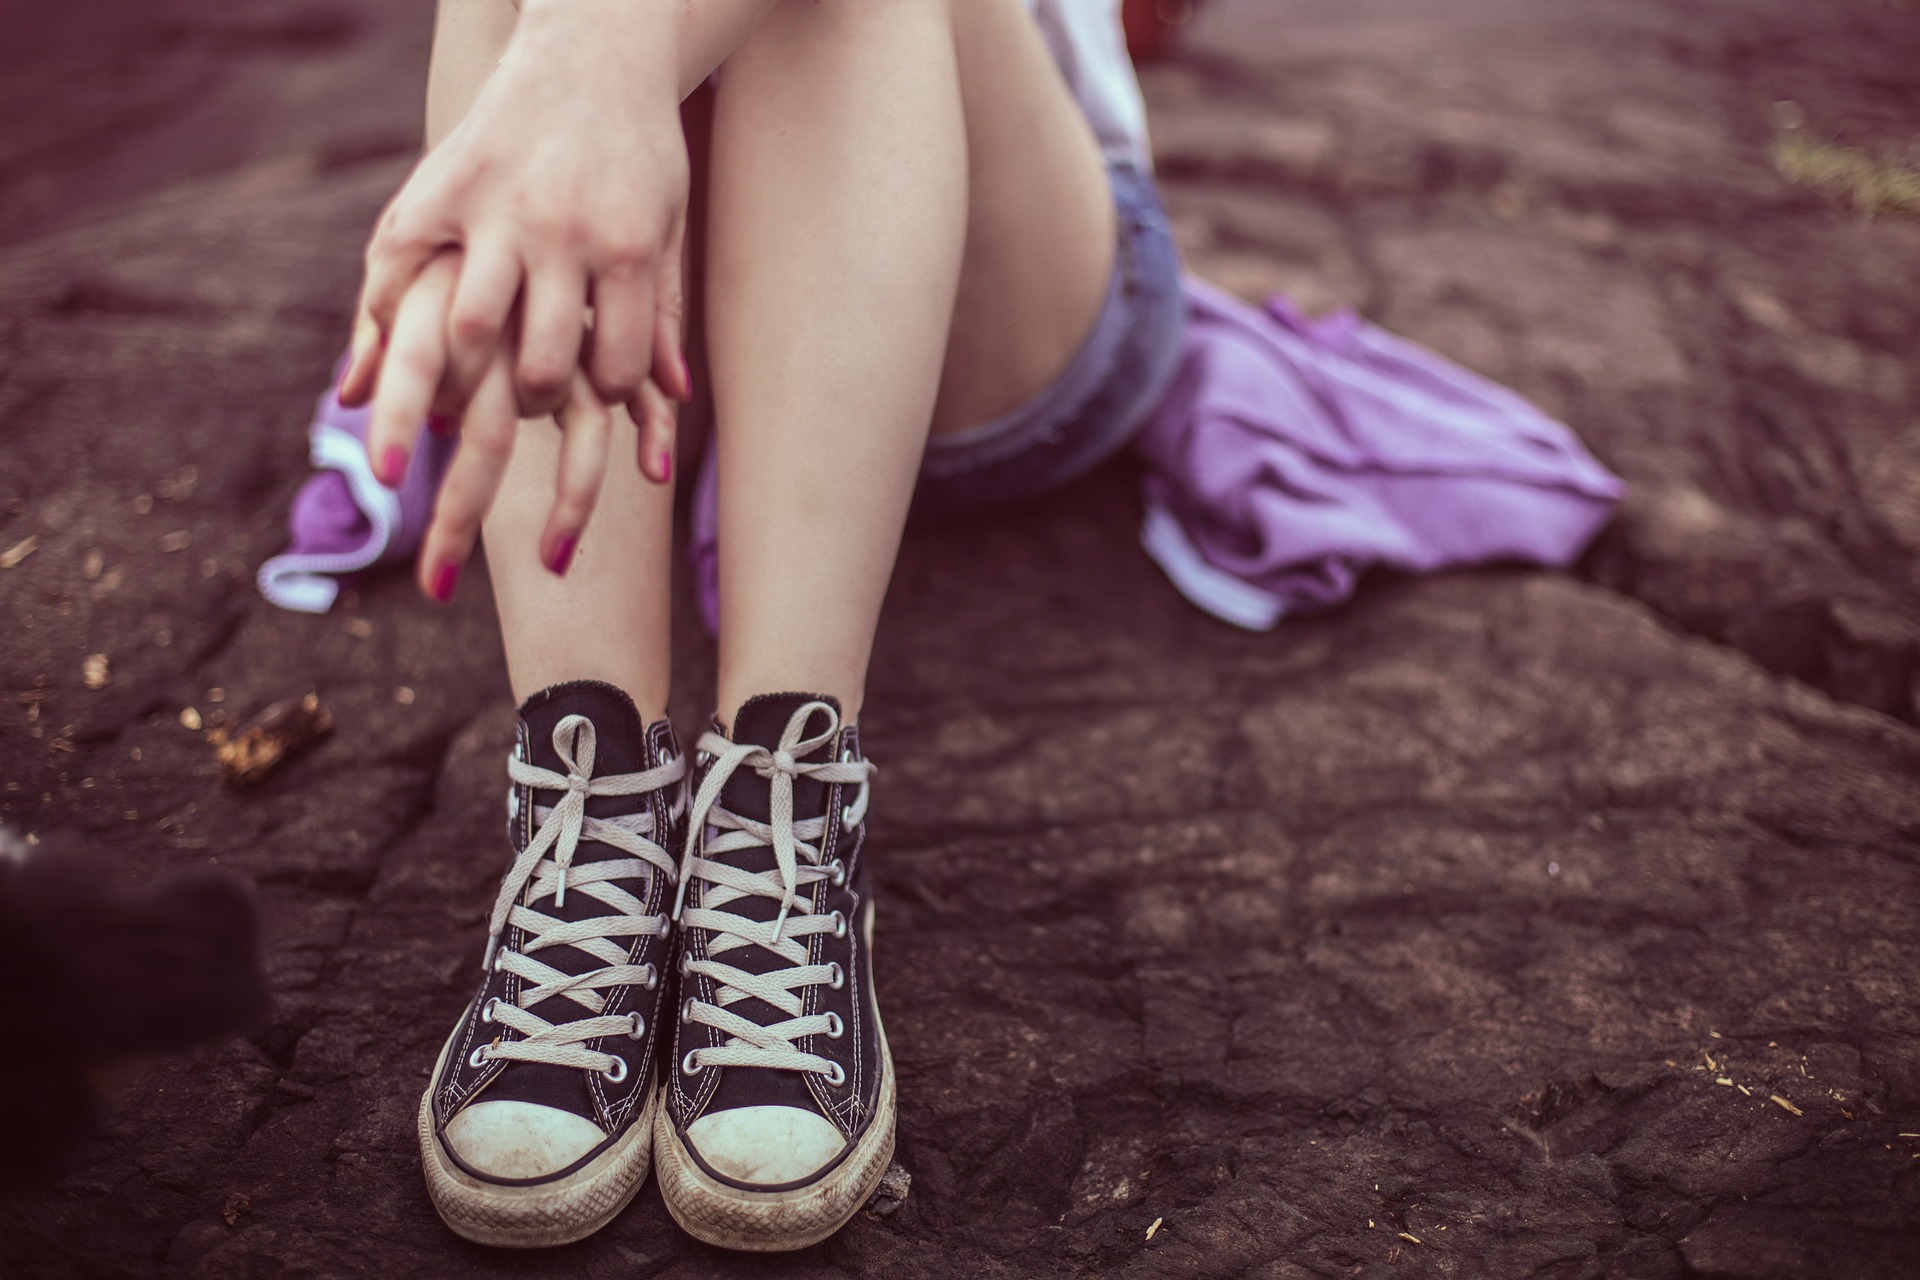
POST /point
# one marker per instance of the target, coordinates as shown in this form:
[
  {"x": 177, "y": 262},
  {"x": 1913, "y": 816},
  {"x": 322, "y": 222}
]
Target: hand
[
  {"x": 563, "y": 188},
  {"x": 488, "y": 429}
]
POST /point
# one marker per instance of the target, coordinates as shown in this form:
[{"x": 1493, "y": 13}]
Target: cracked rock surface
[{"x": 1497, "y": 925}]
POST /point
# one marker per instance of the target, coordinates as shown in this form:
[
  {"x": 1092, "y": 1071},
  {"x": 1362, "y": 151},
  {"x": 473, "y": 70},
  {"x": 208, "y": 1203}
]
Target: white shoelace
[
  {"x": 796, "y": 853},
  {"x": 545, "y": 868}
]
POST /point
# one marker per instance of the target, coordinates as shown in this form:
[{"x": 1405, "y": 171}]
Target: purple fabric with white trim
[
  {"x": 1293, "y": 454},
  {"x": 343, "y": 520}
]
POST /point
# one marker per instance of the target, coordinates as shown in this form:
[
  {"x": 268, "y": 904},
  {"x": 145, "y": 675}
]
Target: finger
[
  {"x": 476, "y": 324},
  {"x": 619, "y": 344},
  {"x": 654, "y": 417},
  {"x": 410, "y": 373},
  {"x": 363, "y": 362},
  {"x": 552, "y": 322},
  {"x": 403, "y": 242},
  {"x": 587, "y": 433},
  {"x": 472, "y": 480},
  {"x": 670, "y": 315}
]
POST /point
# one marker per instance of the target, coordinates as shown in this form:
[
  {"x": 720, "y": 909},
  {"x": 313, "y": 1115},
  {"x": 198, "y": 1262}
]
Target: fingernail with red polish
[
  {"x": 563, "y": 555},
  {"x": 393, "y": 466},
  {"x": 445, "y": 579}
]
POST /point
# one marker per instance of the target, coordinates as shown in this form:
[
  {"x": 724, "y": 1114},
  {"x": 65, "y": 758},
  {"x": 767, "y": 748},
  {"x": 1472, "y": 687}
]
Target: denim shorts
[{"x": 1100, "y": 400}]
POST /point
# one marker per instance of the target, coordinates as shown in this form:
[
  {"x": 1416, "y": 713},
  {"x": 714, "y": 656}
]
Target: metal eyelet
[
  {"x": 847, "y": 820},
  {"x": 686, "y": 1009},
  {"x": 639, "y": 1026},
  {"x": 688, "y": 1066},
  {"x": 617, "y": 1072},
  {"x": 686, "y": 958},
  {"x": 837, "y": 1076},
  {"x": 653, "y": 979},
  {"x": 837, "y": 873},
  {"x": 486, "y": 1010},
  {"x": 835, "y": 1027},
  {"x": 839, "y": 978},
  {"x": 839, "y": 924},
  {"x": 475, "y": 1059}
]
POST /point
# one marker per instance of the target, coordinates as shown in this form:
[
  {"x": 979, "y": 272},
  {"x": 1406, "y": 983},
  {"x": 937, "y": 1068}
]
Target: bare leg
[
  {"x": 608, "y": 618},
  {"x": 1040, "y": 221},
  {"x": 841, "y": 216}
]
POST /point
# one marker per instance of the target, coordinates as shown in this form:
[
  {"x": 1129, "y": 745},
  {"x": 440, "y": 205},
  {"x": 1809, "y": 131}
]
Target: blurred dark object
[
  {"x": 1152, "y": 25},
  {"x": 96, "y": 974}
]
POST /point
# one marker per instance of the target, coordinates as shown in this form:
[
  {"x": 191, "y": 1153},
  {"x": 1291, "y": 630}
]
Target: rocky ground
[{"x": 1498, "y": 925}]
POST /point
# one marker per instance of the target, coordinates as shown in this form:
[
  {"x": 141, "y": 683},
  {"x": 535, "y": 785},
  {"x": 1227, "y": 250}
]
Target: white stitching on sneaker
[
  {"x": 545, "y": 869},
  {"x": 749, "y": 1044}
]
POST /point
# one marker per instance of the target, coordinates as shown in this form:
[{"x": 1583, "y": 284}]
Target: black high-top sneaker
[
  {"x": 537, "y": 1127},
  {"x": 778, "y": 1121}
]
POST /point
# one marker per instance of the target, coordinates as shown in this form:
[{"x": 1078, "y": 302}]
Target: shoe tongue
[
  {"x": 620, "y": 742},
  {"x": 762, "y": 721},
  {"x": 620, "y": 746}
]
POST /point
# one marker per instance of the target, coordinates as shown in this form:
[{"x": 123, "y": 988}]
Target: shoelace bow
[
  {"x": 796, "y": 854},
  {"x": 545, "y": 868}
]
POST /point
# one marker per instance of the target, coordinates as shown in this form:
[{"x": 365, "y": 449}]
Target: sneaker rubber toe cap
[
  {"x": 766, "y": 1146},
  {"x": 520, "y": 1139}
]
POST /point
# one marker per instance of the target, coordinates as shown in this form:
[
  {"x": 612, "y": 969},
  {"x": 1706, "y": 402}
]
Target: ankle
[
  {"x": 648, "y": 695},
  {"x": 844, "y": 697}
]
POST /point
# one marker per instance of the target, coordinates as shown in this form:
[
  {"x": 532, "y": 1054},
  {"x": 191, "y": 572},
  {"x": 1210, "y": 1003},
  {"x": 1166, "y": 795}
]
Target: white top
[{"x": 1091, "y": 47}]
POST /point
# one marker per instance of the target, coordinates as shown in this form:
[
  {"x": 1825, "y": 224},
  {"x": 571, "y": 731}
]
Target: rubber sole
[
  {"x": 775, "y": 1221},
  {"x": 539, "y": 1217}
]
